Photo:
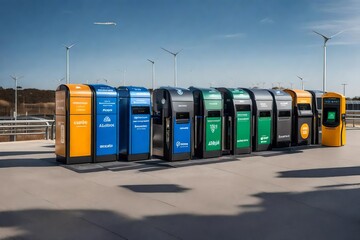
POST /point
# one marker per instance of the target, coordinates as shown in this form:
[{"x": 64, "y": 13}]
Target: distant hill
[{"x": 30, "y": 101}]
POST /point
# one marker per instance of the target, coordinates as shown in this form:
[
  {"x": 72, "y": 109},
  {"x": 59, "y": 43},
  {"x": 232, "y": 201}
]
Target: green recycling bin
[{"x": 208, "y": 111}]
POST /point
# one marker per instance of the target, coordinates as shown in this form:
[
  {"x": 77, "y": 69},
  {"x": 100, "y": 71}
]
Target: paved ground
[{"x": 301, "y": 194}]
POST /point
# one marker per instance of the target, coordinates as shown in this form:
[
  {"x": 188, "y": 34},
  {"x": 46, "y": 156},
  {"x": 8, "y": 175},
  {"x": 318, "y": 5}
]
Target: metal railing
[
  {"x": 14, "y": 128},
  {"x": 353, "y": 116}
]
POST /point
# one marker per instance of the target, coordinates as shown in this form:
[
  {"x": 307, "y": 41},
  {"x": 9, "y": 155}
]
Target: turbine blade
[
  {"x": 337, "y": 33},
  {"x": 179, "y": 51},
  {"x": 168, "y": 51},
  {"x": 327, "y": 38}
]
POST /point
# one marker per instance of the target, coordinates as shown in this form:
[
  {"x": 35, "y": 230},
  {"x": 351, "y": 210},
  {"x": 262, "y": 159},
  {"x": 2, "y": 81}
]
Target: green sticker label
[
  {"x": 264, "y": 130},
  {"x": 213, "y": 134},
  {"x": 243, "y": 129},
  {"x": 213, "y": 104}
]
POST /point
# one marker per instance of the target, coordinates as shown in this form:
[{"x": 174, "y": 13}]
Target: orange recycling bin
[
  {"x": 302, "y": 116},
  {"x": 73, "y": 123}
]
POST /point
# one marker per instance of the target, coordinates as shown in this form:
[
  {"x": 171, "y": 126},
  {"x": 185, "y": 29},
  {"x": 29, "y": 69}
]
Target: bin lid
[
  {"x": 179, "y": 94},
  {"x": 299, "y": 96},
  {"x": 133, "y": 91},
  {"x": 280, "y": 95},
  {"x": 103, "y": 90},
  {"x": 316, "y": 93},
  {"x": 76, "y": 90},
  {"x": 208, "y": 93},
  {"x": 259, "y": 94}
]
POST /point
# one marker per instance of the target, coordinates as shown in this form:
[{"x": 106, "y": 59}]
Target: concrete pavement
[{"x": 306, "y": 193}]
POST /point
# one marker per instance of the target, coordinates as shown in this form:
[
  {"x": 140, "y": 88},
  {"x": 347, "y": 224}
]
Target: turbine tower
[
  {"x": 175, "y": 65},
  {"x": 153, "y": 73},
  {"x": 326, "y": 39},
  {"x": 67, "y": 63}
]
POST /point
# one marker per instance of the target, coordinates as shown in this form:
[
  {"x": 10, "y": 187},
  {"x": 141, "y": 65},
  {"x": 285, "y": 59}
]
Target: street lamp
[
  {"x": 98, "y": 80},
  {"x": 15, "y": 78},
  {"x": 67, "y": 63},
  {"x": 175, "y": 65},
  {"x": 153, "y": 73},
  {"x": 344, "y": 88},
  {"x": 302, "y": 82},
  {"x": 324, "y": 68}
]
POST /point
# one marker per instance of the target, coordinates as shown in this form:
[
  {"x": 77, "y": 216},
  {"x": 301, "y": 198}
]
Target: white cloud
[
  {"x": 266, "y": 21},
  {"x": 232, "y": 35}
]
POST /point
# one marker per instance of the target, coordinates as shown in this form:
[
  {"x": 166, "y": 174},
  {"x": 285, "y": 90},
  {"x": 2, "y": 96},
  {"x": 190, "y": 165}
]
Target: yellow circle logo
[{"x": 304, "y": 131}]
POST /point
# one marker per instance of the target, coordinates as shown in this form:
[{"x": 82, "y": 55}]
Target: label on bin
[
  {"x": 140, "y": 134},
  {"x": 105, "y": 134},
  {"x": 80, "y": 105},
  {"x": 106, "y": 106},
  {"x": 60, "y": 136},
  {"x": 243, "y": 129},
  {"x": 264, "y": 130},
  {"x": 213, "y": 134},
  {"x": 304, "y": 131},
  {"x": 182, "y": 135}
]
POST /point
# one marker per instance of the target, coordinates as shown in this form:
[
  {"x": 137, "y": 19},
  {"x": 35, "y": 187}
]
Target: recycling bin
[
  {"x": 302, "y": 117},
  {"x": 73, "y": 123},
  {"x": 237, "y": 121},
  {"x": 134, "y": 122},
  {"x": 173, "y": 110},
  {"x": 105, "y": 123},
  {"x": 317, "y": 109},
  {"x": 262, "y": 104},
  {"x": 208, "y": 113},
  {"x": 282, "y": 119}
]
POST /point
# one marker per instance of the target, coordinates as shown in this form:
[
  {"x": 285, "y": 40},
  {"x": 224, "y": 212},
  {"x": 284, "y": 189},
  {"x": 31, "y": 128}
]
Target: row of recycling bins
[{"x": 96, "y": 123}]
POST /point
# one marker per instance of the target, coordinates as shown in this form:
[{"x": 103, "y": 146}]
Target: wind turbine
[
  {"x": 302, "y": 82},
  {"x": 67, "y": 62},
  {"x": 153, "y": 73},
  {"x": 175, "y": 65},
  {"x": 16, "y": 78},
  {"x": 326, "y": 39}
]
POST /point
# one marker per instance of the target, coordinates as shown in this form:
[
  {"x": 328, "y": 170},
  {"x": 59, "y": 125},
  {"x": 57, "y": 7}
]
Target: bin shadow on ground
[
  {"x": 28, "y": 162},
  {"x": 321, "y": 214},
  {"x": 321, "y": 172},
  {"x": 155, "y": 188}
]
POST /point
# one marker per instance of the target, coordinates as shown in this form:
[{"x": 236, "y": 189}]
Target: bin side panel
[
  {"x": 80, "y": 135},
  {"x": 213, "y": 133},
  {"x": 182, "y": 137},
  {"x": 140, "y": 133},
  {"x": 243, "y": 133},
  {"x": 60, "y": 140}
]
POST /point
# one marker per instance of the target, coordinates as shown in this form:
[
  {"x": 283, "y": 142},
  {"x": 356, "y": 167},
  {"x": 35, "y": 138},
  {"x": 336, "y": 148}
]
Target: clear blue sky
[{"x": 233, "y": 43}]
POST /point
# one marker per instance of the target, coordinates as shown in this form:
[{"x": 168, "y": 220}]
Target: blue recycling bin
[
  {"x": 105, "y": 123},
  {"x": 134, "y": 123}
]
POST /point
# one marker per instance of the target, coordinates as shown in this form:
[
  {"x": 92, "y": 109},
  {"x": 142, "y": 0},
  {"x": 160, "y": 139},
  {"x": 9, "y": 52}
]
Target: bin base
[
  {"x": 73, "y": 160},
  {"x": 209, "y": 154},
  {"x": 134, "y": 157},
  {"x": 175, "y": 157},
  {"x": 282, "y": 144},
  {"x": 105, "y": 158},
  {"x": 259, "y": 148},
  {"x": 239, "y": 151}
]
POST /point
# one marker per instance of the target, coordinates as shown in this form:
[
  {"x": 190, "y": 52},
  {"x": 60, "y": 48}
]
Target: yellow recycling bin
[
  {"x": 333, "y": 120},
  {"x": 73, "y": 123}
]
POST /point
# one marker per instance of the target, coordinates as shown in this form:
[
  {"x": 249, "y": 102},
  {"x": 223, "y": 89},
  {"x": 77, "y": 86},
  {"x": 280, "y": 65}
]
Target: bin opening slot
[
  {"x": 265, "y": 114},
  {"x": 284, "y": 114},
  {"x": 182, "y": 117},
  {"x": 140, "y": 110},
  {"x": 304, "y": 107},
  {"x": 243, "y": 108},
  {"x": 214, "y": 114}
]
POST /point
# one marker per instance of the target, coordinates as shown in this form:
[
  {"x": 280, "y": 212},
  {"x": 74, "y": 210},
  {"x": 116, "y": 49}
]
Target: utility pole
[
  {"x": 153, "y": 73},
  {"x": 344, "y": 88},
  {"x": 68, "y": 62},
  {"x": 16, "y": 78},
  {"x": 302, "y": 82}
]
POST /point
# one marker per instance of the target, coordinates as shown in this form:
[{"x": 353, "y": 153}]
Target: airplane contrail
[{"x": 105, "y": 23}]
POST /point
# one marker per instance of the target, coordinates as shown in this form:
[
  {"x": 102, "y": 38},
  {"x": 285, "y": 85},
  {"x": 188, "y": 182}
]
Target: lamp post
[
  {"x": 302, "y": 82},
  {"x": 175, "y": 64},
  {"x": 67, "y": 62},
  {"x": 344, "y": 88},
  {"x": 15, "y": 78},
  {"x": 326, "y": 39},
  {"x": 153, "y": 73}
]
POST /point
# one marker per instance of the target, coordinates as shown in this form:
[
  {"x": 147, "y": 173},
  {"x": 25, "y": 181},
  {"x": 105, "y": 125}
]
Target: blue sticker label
[
  {"x": 140, "y": 101},
  {"x": 106, "y": 106},
  {"x": 140, "y": 133},
  {"x": 106, "y": 134},
  {"x": 182, "y": 136}
]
